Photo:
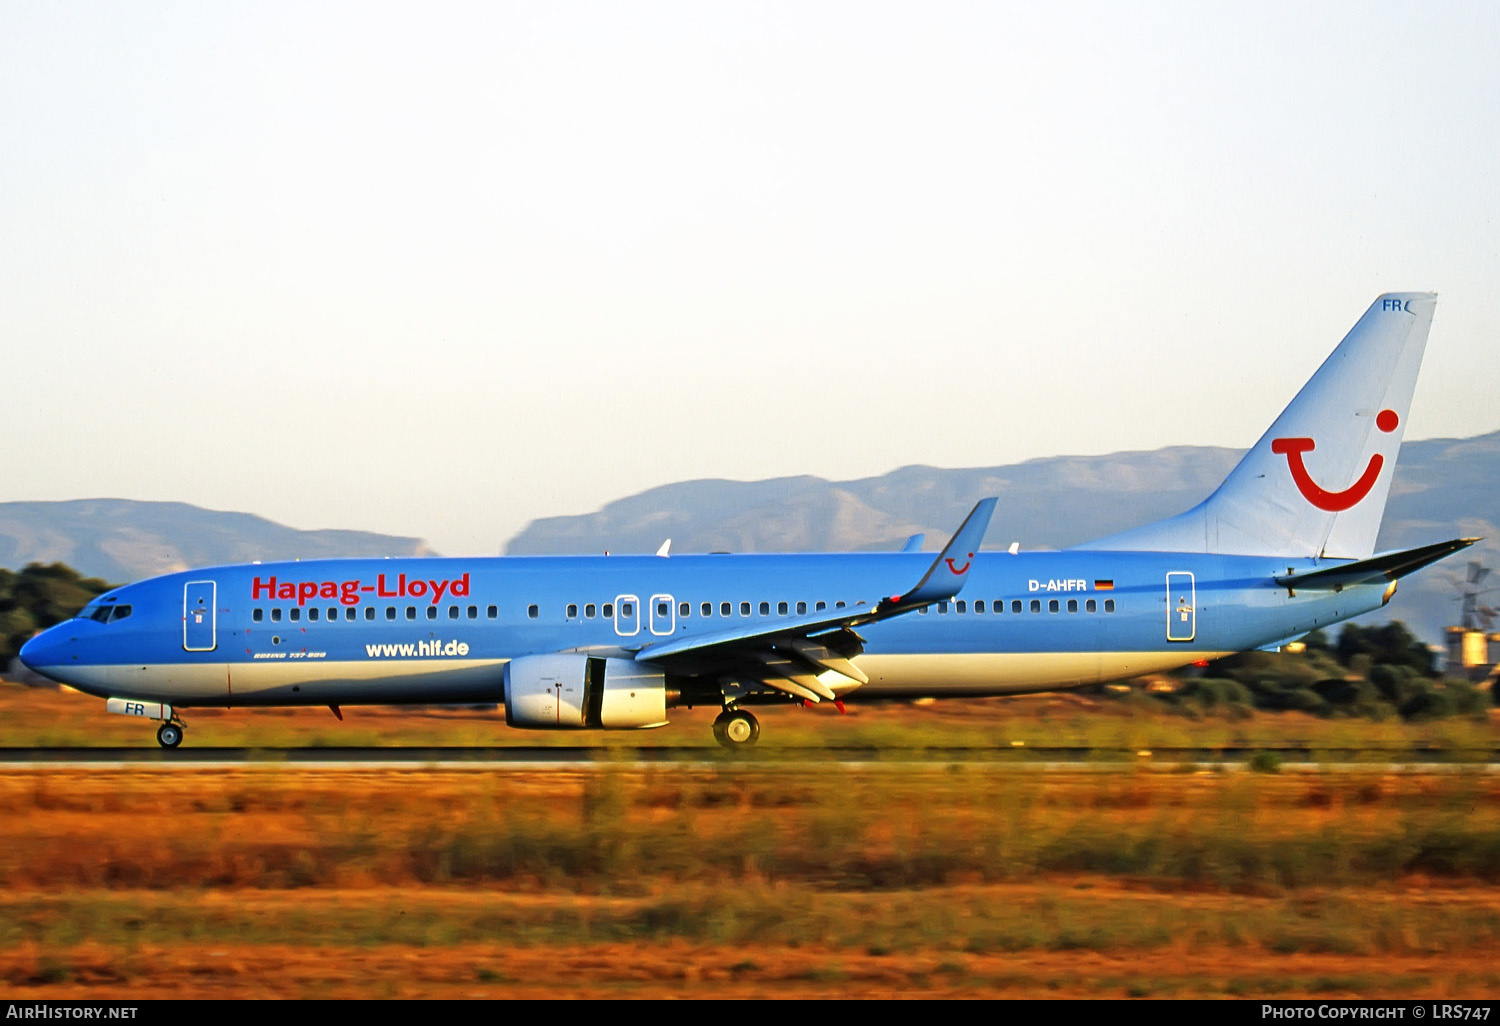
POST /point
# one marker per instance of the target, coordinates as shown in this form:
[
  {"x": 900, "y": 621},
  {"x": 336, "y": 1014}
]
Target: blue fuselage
[{"x": 441, "y": 630}]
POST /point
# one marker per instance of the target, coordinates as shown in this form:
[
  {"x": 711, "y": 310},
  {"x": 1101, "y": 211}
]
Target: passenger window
[
  {"x": 998, "y": 605},
  {"x": 572, "y": 611},
  {"x": 312, "y": 614},
  {"x": 411, "y": 612},
  {"x": 781, "y": 609},
  {"x": 390, "y": 612},
  {"x": 685, "y": 609},
  {"x": 821, "y": 606},
  {"x": 590, "y": 611},
  {"x": 839, "y": 604},
  {"x": 979, "y": 605},
  {"x": 801, "y": 608},
  {"x": 1091, "y": 606},
  {"x": 473, "y": 612},
  {"x": 923, "y": 610},
  {"x": 369, "y": 612},
  {"x": 1036, "y": 605},
  {"x": 765, "y": 609},
  {"x": 962, "y": 606},
  {"x": 1109, "y": 605},
  {"x": 453, "y": 612},
  {"x": 708, "y": 609},
  {"x": 1052, "y": 605},
  {"x": 744, "y": 609},
  {"x": 432, "y": 612},
  {"x": 943, "y": 606},
  {"x": 1015, "y": 606},
  {"x": 257, "y": 615},
  {"x": 333, "y": 613},
  {"x": 1072, "y": 605},
  {"x": 533, "y": 612},
  {"x": 609, "y": 610},
  {"x": 725, "y": 609},
  {"x": 663, "y": 609},
  {"x": 491, "y": 612},
  {"x": 294, "y": 614}
]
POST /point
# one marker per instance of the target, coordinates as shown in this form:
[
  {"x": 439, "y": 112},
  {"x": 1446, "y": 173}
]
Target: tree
[{"x": 38, "y": 597}]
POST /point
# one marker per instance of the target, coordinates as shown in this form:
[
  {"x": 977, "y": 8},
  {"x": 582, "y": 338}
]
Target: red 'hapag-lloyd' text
[{"x": 349, "y": 592}]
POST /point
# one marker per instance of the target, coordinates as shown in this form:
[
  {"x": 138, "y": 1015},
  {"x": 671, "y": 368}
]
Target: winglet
[
  {"x": 948, "y": 572},
  {"x": 914, "y": 543},
  {"x": 666, "y": 549}
]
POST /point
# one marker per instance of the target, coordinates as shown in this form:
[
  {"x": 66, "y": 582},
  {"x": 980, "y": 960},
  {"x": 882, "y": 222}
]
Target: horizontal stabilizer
[{"x": 1388, "y": 566}]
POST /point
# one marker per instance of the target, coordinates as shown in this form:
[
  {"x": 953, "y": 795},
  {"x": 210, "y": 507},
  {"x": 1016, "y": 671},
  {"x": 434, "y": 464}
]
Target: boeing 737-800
[{"x": 1284, "y": 546}]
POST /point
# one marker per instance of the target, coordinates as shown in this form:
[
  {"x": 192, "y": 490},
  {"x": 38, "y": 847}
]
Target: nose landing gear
[{"x": 169, "y": 735}]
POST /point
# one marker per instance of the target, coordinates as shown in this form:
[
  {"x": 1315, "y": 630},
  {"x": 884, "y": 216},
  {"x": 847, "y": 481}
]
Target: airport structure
[{"x": 1473, "y": 649}]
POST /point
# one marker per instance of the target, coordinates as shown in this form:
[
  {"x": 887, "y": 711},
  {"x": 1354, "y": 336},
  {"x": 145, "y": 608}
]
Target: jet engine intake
[{"x": 580, "y": 692}]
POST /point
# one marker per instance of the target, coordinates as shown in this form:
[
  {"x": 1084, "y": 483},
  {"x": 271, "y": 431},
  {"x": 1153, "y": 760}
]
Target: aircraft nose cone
[{"x": 45, "y": 649}]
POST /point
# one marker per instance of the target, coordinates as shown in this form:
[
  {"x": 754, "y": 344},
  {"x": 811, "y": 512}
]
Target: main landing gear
[{"x": 736, "y": 729}]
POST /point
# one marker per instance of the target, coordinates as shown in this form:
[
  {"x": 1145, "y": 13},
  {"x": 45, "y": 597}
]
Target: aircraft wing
[
  {"x": 789, "y": 653},
  {"x": 1387, "y": 566}
]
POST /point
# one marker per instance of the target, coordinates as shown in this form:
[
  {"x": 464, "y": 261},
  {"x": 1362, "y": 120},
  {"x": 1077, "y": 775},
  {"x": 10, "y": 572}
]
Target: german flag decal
[{"x": 1104, "y": 585}]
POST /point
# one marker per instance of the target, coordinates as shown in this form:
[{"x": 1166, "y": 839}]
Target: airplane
[{"x": 1283, "y": 547}]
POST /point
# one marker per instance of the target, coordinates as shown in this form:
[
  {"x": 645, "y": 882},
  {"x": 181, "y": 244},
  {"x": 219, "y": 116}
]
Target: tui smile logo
[
  {"x": 1333, "y": 502},
  {"x": 959, "y": 571}
]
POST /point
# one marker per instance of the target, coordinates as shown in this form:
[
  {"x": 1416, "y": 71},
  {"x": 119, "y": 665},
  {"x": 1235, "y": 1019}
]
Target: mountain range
[{"x": 124, "y": 540}]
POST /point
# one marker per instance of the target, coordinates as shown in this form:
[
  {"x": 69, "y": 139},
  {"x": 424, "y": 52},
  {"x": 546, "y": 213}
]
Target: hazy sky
[{"x": 440, "y": 269}]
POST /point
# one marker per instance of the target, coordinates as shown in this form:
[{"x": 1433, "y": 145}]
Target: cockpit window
[{"x": 104, "y": 613}]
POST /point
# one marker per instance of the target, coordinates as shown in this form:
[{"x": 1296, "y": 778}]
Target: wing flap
[
  {"x": 782, "y": 669},
  {"x": 826, "y": 659}
]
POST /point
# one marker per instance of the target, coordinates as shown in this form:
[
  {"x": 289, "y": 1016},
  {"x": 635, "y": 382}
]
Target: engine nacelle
[{"x": 578, "y": 692}]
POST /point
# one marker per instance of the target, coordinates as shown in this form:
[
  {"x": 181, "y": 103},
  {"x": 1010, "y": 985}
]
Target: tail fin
[{"x": 1316, "y": 483}]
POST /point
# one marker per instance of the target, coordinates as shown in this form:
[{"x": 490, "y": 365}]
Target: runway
[{"x": 582, "y": 757}]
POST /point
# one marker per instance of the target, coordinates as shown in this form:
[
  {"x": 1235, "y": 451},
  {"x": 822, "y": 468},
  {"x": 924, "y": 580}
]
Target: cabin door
[{"x": 199, "y": 613}]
